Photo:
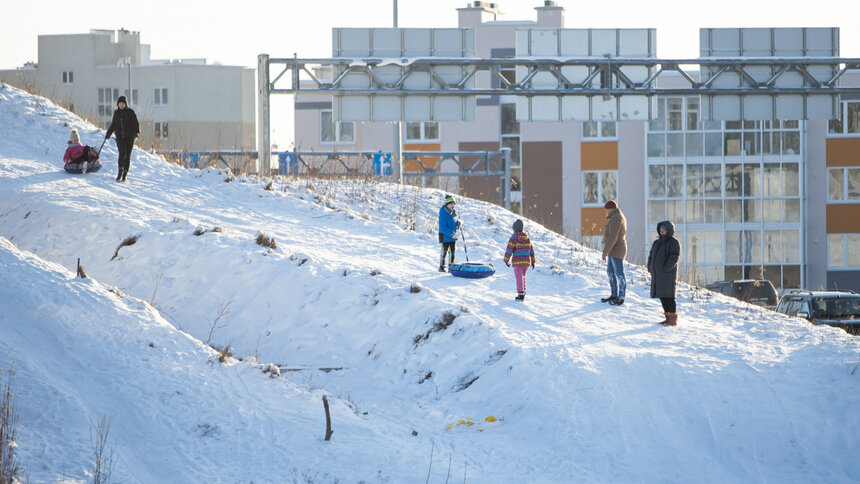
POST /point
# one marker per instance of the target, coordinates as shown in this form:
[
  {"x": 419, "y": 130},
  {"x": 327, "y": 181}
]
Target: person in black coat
[
  {"x": 126, "y": 127},
  {"x": 663, "y": 266}
]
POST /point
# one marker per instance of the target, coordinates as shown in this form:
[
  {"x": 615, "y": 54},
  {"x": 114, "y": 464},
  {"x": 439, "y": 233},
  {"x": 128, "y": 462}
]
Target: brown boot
[
  {"x": 671, "y": 319},
  {"x": 665, "y": 318}
]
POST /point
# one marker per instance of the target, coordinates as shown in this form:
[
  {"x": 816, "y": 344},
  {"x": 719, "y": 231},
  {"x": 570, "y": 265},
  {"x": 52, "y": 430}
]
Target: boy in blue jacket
[{"x": 448, "y": 225}]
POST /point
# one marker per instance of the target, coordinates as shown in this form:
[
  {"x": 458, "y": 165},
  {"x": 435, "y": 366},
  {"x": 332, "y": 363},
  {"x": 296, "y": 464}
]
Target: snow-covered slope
[{"x": 350, "y": 305}]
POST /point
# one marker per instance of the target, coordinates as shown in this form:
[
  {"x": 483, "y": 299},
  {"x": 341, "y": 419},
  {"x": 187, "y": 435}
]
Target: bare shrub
[
  {"x": 224, "y": 353},
  {"x": 103, "y": 455},
  {"x": 156, "y": 281},
  {"x": 199, "y": 231},
  {"x": 415, "y": 288},
  {"x": 130, "y": 240},
  {"x": 215, "y": 322},
  {"x": 9, "y": 470},
  {"x": 266, "y": 240},
  {"x": 409, "y": 209}
]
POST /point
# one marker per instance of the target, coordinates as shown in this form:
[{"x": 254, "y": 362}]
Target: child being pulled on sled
[
  {"x": 521, "y": 254},
  {"x": 76, "y": 152}
]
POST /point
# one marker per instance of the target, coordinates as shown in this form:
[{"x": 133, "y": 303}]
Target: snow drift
[{"x": 429, "y": 375}]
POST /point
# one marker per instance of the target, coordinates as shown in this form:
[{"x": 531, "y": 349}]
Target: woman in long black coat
[
  {"x": 663, "y": 266},
  {"x": 127, "y": 128}
]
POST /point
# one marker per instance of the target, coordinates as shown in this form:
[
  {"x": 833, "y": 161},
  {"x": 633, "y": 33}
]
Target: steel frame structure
[
  {"x": 485, "y": 164},
  {"x": 606, "y": 72},
  {"x": 603, "y": 76}
]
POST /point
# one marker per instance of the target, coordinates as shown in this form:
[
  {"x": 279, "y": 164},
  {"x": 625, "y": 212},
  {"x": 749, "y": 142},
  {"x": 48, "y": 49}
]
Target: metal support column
[
  {"x": 398, "y": 139},
  {"x": 506, "y": 183},
  {"x": 264, "y": 144}
]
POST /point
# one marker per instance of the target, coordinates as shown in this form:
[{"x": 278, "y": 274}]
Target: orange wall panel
[
  {"x": 412, "y": 165},
  {"x": 843, "y": 151},
  {"x": 593, "y": 219},
  {"x": 599, "y": 155},
  {"x": 843, "y": 219}
]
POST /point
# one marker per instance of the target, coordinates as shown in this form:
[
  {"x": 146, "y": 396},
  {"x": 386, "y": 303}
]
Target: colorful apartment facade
[{"x": 750, "y": 199}]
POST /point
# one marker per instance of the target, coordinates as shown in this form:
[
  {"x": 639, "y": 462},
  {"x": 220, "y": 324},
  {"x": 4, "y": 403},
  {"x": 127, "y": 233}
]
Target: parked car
[
  {"x": 835, "y": 308},
  {"x": 759, "y": 292}
]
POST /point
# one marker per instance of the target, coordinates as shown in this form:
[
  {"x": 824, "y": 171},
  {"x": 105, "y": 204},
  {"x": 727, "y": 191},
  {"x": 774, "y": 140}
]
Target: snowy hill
[{"x": 349, "y": 305}]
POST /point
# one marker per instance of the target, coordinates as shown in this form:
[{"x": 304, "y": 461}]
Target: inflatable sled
[
  {"x": 88, "y": 158},
  {"x": 472, "y": 270},
  {"x": 92, "y": 166}
]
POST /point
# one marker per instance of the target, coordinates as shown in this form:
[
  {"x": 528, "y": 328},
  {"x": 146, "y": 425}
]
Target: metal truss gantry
[
  {"x": 591, "y": 76},
  {"x": 600, "y": 76}
]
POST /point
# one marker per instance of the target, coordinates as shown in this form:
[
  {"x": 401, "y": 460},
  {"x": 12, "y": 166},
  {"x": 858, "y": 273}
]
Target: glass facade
[
  {"x": 510, "y": 132},
  {"x": 731, "y": 188}
]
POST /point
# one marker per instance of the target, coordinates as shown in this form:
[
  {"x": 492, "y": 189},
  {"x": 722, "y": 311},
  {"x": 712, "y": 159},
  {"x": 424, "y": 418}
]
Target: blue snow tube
[{"x": 472, "y": 270}]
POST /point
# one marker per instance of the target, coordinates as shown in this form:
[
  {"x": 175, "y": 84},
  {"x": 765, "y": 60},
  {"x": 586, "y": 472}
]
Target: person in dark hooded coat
[
  {"x": 126, "y": 127},
  {"x": 663, "y": 266}
]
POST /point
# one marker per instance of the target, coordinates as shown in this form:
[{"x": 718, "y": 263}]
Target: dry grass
[
  {"x": 266, "y": 240},
  {"x": 131, "y": 240}
]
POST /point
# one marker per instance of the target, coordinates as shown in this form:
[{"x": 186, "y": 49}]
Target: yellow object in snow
[{"x": 469, "y": 422}]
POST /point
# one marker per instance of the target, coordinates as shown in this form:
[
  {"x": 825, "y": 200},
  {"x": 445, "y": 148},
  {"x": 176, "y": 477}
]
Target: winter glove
[
  {"x": 604, "y": 258},
  {"x": 458, "y": 224},
  {"x": 533, "y": 266}
]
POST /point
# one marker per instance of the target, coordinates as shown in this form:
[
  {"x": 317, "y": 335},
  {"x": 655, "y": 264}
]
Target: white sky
[{"x": 235, "y": 32}]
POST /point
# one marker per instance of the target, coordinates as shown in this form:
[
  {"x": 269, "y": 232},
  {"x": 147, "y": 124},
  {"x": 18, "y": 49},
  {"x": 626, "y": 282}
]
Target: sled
[
  {"x": 76, "y": 168},
  {"x": 472, "y": 270},
  {"x": 92, "y": 162}
]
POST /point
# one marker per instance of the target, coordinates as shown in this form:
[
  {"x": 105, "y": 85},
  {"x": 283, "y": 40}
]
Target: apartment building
[
  {"x": 183, "y": 104},
  {"x": 773, "y": 199}
]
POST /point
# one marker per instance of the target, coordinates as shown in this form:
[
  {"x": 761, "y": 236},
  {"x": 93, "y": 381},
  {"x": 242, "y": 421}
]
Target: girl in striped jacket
[{"x": 521, "y": 254}]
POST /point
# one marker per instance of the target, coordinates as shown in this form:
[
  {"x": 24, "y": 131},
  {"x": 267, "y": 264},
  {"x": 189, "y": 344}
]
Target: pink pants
[{"x": 520, "y": 276}]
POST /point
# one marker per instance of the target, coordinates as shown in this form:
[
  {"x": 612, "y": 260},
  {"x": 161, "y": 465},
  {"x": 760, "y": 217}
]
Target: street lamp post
[{"x": 130, "y": 96}]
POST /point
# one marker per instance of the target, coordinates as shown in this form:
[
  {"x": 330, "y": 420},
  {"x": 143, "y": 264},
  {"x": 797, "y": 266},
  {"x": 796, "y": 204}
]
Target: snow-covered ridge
[{"x": 349, "y": 304}]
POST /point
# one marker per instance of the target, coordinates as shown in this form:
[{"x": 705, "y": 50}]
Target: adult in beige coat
[{"x": 614, "y": 252}]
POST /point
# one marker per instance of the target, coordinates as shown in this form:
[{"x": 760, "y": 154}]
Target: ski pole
[{"x": 465, "y": 249}]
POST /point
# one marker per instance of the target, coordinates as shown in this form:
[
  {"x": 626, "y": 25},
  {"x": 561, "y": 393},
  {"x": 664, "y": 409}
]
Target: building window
[
  {"x": 335, "y": 132},
  {"x": 68, "y": 77},
  {"x": 601, "y": 130},
  {"x": 132, "y": 98},
  {"x": 849, "y": 119},
  {"x": 510, "y": 125},
  {"x": 510, "y": 131},
  {"x": 161, "y": 130},
  {"x": 160, "y": 96},
  {"x": 598, "y": 187},
  {"x": 107, "y": 100},
  {"x": 731, "y": 188},
  {"x": 422, "y": 131},
  {"x": 843, "y": 185},
  {"x": 843, "y": 251}
]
